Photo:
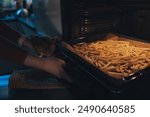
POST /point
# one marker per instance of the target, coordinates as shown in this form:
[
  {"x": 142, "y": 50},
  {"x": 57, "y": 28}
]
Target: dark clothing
[
  {"x": 9, "y": 33},
  {"x": 8, "y": 45}
]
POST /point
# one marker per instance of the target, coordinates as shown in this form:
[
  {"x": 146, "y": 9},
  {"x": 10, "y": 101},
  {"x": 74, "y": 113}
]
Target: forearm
[{"x": 34, "y": 62}]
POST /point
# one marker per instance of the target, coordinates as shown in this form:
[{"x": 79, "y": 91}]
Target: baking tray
[{"x": 109, "y": 82}]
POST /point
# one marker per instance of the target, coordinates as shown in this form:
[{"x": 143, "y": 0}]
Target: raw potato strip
[{"x": 116, "y": 58}]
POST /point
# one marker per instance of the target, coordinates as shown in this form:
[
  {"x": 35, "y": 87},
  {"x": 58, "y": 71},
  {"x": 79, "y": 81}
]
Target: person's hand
[
  {"x": 44, "y": 46},
  {"x": 55, "y": 66}
]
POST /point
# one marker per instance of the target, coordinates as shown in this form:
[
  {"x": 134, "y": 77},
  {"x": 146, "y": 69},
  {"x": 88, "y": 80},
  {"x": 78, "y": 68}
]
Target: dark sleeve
[
  {"x": 9, "y": 33},
  {"x": 10, "y": 52}
]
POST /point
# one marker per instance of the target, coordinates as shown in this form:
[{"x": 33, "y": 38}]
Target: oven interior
[
  {"x": 86, "y": 21},
  {"x": 81, "y": 18}
]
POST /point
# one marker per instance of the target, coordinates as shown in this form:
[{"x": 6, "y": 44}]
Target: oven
[{"x": 83, "y": 22}]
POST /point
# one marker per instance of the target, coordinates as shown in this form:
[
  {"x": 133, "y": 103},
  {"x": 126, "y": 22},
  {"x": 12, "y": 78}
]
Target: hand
[
  {"x": 55, "y": 66},
  {"x": 51, "y": 65},
  {"x": 43, "y": 45}
]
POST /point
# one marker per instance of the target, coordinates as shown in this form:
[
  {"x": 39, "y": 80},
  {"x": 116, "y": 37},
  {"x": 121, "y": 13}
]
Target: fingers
[
  {"x": 62, "y": 61},
  {"x": 55, "y": 67}
]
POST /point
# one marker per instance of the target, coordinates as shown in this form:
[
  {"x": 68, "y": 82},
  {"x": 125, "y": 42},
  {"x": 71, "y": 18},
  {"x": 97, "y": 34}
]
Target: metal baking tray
[{"x": 109, "y": 82}]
